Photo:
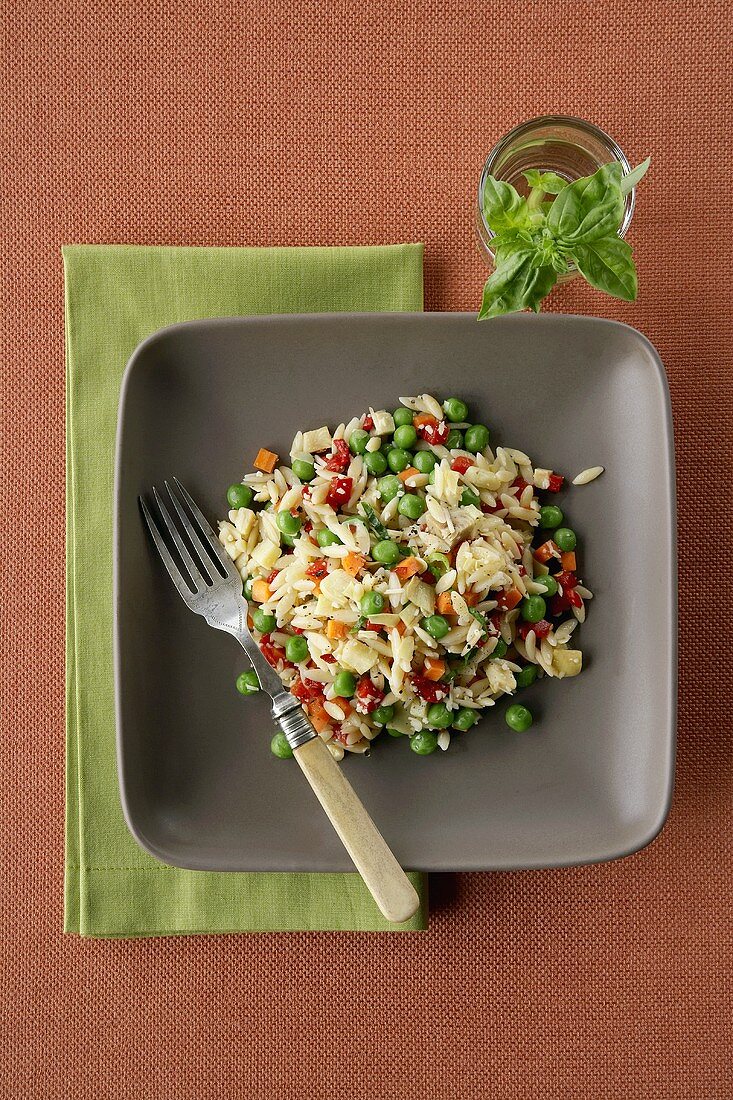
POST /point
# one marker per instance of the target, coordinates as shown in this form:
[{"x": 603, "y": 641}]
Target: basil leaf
[
  {"x": 516, "y": 285},
  {"x": 607, "y": 265},
  {"x": 511, "y": 241},
  {"x": 588, "y": 209},
  {"x": 504, "y": 207},
  {"x": 374, "y": 522},
  {"x": 549, "y": 182},
  {"x": 630, "y": 180}
]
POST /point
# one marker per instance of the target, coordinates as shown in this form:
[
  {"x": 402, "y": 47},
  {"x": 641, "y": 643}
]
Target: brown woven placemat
[{"x": 332, "y": 122}]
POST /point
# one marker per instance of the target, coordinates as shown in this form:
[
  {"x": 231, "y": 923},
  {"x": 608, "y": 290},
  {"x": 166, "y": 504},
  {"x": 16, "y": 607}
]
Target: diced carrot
[
  {"x": 335, "y": 629},
  {"x": 411, "y": 471},
  {"x": 509, "y": 599},
  {"x": 407, "y": 568},
  {"x": 434, "y": 668},
  {"x": 250, "y": 622},
  {"x": 548, "y": 550},
  {"x": 261, "y": 591},
  {"x": 265, "y": 461},
  {"x": 419, "y": 420},
  {"x": 400, "y": 627},
  {"x": 568, "y": 561},
  {"x": 444, "y": 605},
  {"x": 352, "y": 563},
  {"x": 319, "y": 716},
  {"x": 471, "y": 597}
]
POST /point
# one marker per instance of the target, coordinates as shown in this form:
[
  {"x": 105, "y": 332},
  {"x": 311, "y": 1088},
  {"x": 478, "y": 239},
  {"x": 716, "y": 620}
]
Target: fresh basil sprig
[{"x": 536, "y": 238}]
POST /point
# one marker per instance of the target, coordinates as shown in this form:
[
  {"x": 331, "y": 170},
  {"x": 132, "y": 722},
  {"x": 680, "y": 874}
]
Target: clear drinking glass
[{"x": 551, "y": 143}]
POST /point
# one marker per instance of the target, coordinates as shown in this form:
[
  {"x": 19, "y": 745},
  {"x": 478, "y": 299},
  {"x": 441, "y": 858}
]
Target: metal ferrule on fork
[{"x": 291, "y": 719}]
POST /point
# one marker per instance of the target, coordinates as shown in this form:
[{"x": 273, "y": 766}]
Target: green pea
[
  {"x": 438, "y": 564},
  {"x": 288, "y": 523},
  {"x": 398, "y": 460},
  {"x": 239, "y": 496},
  {"x": 388, "y": 487},
  {"x": 565, "y": 538},
  {"x": 375, "y": 463},
  {"x": 533, "y": 609},
  {"x": 405, "y": 437},
  {"x": 455, "y": 410},
  {"x": 424, "y": 461},
  {"x": 393, "y": 732},
  {"x": 499, "y": 650},
  {"x": 411, "y": 505},
  {"x": 371, "y": 603},
  {"x": 424, "y": 742},
  {"x": 402, "y": 416},
  {"x": 548, "y": 583},
  {"x": 247, "y": 682},
  {"x": 358, "y": 441},
  {"x": 383, "y": 715},
  {"x": 263, "y": 622},
  {"x": 550, "y": 516},
  {"x": 431, "y": 476},
  {"x": 288, "y": 540},
  {"x": 247, "y": 588},
  {"x": 526, "y": 676},
  {"x": 279, "y": 747},
  {"x": 436, "y": 626},
  {"x": 439, "y": 716},
  {"x": 324, "y": 537},
  {"x": 304, "y": 471},
  {"x": 454, "y": 442},
  {"x": 386, "y": 552},
  {"x": 296, "y": 649},
  {"x": 518, "y": 717},
  {"x": 468, "y": 497},
  {"x": 465, "y": 718},
  {"x": 477, "y": 438},
  {"x": 344, "y": 684}
]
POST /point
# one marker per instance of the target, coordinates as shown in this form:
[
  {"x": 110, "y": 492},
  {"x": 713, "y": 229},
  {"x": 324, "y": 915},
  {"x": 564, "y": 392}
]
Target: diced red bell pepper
[
  {"x": 429, "y": 690},
  {"x": 306, "y": 690},
  {"x": 461, "y": 464},
  {"x": 368, "y": 696},
  {"x": 296, "y": 630},
  {"x": 555, "y": 483},
  {"x": 435, "y": 433},
  {"x": 306, "y": 494},
  {"x": 541, "y": 629},
  {"x": 520, "y": 485},
  {"x": 567, "y": 580},
  {"x": 340, "y": 456},
  {"x": 339, "y": 492},
  {"x": 573, "y": 598},
  {"x": 368, "y": 422},
  {"x": 559, "y": 604},
  {"x": 329, "y": 658},
  {"x": 428, "y": 577},
  {"x": 272, "y": 653},
  {"x": 339, "y": 735},
  {"x": 271, "y": 576},
  {"x": 494, "y": 623},
  {"x": 318, "y": 569},
  {"x": 372, "y": 626},
  {"x": 307, "y": 527},
  {"x": 522, "y": 571},
  {"x": 489, "y": 509}
]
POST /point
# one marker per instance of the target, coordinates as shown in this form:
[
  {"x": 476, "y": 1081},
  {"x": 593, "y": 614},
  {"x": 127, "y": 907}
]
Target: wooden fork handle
[{"x": 386, "y": 881}]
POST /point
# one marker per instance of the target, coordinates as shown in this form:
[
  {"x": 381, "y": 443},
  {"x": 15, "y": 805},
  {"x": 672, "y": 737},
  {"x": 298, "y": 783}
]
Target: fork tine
[
  {"x": 191, "y": 566},
  {"x": 164, "y": 552},
  {"x": 212, "y": 541}
]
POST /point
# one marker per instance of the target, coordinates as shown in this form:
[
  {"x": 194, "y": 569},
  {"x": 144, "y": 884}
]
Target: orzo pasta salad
[{"x": 403, "y": 575}]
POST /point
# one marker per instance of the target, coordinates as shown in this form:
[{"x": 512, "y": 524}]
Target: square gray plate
[{"x": 590, "y": 781}]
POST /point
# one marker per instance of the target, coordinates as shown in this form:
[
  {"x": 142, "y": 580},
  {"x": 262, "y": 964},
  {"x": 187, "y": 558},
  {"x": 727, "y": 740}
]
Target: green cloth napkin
[{"x": 115, "y": 297}]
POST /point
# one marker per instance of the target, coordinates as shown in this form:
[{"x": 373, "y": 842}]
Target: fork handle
[{"x": 386, "y": 881}]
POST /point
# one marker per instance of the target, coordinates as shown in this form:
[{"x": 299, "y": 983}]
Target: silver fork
[{"x": 213, "y": 589}]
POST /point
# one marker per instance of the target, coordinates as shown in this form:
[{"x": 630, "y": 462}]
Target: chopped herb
[
  {"x": 479, "y": 619},
  {"x": 375, "y": 523},
  {"x": 359, "y": 624}
]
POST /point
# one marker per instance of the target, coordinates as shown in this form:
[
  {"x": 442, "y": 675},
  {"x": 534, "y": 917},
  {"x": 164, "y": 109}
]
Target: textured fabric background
[{"x": 321, "y": 123}]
